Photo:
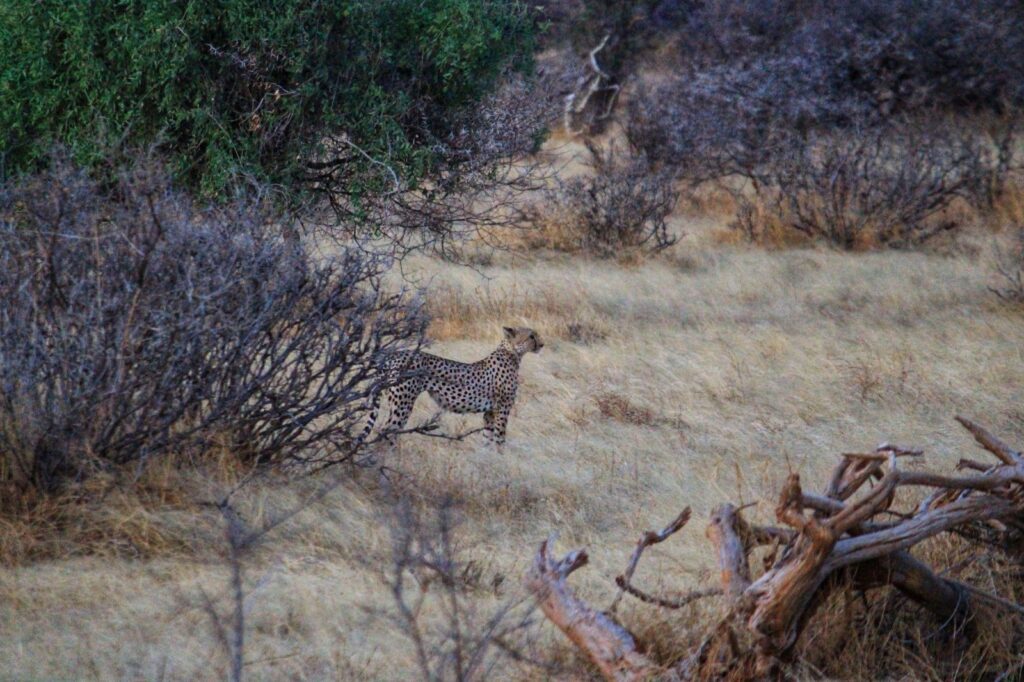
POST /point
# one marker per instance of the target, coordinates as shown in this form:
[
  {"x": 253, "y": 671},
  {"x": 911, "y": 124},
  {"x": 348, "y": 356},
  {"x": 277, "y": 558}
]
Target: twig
[
  {"x": 674, "y": 603},
  {"x": 966, "y": 463},
  {"x": 649, "y": 538},
  {"x": 362, "y": 152},
  {"x": 882, "y": 455}
]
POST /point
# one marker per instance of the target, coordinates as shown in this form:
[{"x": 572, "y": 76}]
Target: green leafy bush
[{"x": 248, "y": 90}]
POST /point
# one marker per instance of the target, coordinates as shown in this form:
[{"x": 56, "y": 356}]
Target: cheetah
[{"x": 487, "y": 386}]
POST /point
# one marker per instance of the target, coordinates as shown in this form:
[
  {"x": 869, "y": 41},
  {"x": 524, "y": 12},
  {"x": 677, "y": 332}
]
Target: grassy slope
[{"x": 695, "y": 378}]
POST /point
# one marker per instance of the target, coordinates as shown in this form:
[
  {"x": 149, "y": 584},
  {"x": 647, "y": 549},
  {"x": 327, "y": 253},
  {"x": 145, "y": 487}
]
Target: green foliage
[{"x": 247, "y": 89}]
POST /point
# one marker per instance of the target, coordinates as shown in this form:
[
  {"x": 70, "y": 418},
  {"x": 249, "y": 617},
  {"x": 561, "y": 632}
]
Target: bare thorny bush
[
  {"x": 856, "y": 188},
  {"x": 136, "y": 324},
  {"x": 620, "y": 206},
  {"x": 440, "y": 598},
  {"x": 858, "y": 123},
  {"x": 460, "y": 618},
  {"x": 865, "y": 183},
  {"x": 248, "y": 530}
]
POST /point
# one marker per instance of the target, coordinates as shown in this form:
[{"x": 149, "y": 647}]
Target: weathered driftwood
[
  {"x": 609, "y": 645},
  {"x": 848, "y": 535}
]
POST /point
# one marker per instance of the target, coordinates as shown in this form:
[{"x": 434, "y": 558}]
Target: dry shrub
[
  {"x": 883, "y": 375},
  {"x": 891, "y": 186},
  {"x": 619, "y": 208},
  {"x": 432, "y": 585},
  {"x": 852, "y": 178},
  {"x": 834, "y": 118},
  {"x": 138, "y": 324}
]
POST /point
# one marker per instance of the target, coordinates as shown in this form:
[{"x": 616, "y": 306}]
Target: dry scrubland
[{"x": 700, "y": 376}]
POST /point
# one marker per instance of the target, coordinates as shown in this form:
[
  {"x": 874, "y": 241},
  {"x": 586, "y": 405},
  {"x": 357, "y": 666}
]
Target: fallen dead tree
[{"x": 849, "y": 535}]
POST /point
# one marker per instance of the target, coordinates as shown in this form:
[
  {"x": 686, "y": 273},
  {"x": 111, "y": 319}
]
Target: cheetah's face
[{"x": 523, "y": 339}]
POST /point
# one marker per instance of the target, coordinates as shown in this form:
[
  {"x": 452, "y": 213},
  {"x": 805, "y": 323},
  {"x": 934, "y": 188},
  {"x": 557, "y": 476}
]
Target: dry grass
[
  {"x": 700, "y": 376},
  {"x": 883, "y": 636},
  {"x": 132, "y": 515},
  {"x": 1009, "y": 207}
]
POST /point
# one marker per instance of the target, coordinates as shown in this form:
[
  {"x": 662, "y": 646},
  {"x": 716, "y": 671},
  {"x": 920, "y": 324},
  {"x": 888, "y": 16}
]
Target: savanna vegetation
[{"x": 774, "y": 249}]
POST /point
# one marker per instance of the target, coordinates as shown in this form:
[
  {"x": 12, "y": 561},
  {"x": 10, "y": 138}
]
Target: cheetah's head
[{"x": 523, "y": 340}]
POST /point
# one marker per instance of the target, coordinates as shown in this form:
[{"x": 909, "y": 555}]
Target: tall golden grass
[{"x": 703, "y": 375}]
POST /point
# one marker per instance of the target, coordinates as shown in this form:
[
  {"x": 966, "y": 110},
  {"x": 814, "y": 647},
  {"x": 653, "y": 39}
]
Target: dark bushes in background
[
  {"x": 751, "y": 75},
  {"x": 247, "y": 89},
  {"x": 856, "y": 122},
  {"x": 136, "y": 323},
  {"x": 895, "y": 57},
  {"x": 812, "y": 62},
  {"x": 869, "y": 181},
  {"x": 877, "y": 187}
]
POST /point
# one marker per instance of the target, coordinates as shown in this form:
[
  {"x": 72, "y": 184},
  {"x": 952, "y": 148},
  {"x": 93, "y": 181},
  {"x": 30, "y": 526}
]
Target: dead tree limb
[
  {"x": 609, "y": 645},
  {"x": 990, "y": 442},
  {"x": 725, "y": 533},
  {"x": 850, "y": 535}
]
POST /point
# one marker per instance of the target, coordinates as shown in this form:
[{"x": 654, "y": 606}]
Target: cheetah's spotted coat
[{"x": 487, "y": 386}]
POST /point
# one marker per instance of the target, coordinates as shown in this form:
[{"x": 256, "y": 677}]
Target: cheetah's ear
[{"x": 510, "y": 333}]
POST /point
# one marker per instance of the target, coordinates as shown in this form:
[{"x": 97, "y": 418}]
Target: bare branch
[
  {"x": 649, "y": 538},
  {"x": 994, "y": 445},
  {"x": 668, "y": 602},
  {"x": 611, "y": 648}
]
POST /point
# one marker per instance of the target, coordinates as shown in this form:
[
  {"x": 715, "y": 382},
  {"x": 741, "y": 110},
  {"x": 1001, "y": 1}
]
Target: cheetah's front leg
[
  {"x": 495, "y": 422},
  {"x": 489, "y": 425},
  {"x": 402, "y": 398}
]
